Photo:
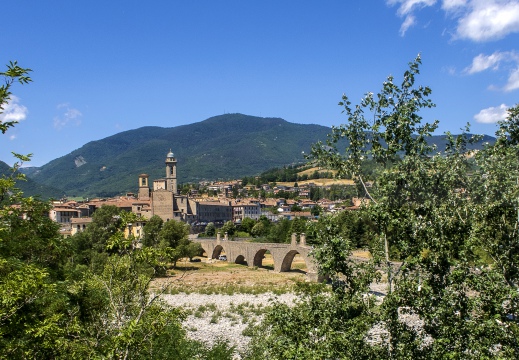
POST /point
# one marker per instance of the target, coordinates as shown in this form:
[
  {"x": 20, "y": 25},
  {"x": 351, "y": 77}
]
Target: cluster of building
[{"x": 162, "y": 198}]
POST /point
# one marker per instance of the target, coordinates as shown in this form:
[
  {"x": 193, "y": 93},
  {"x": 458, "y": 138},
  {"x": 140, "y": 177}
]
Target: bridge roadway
[{"x": 252, "y": 254}]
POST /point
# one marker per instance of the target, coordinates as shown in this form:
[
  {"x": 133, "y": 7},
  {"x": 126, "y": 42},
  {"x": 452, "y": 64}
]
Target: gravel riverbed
[{"x": 217, "y": 316}]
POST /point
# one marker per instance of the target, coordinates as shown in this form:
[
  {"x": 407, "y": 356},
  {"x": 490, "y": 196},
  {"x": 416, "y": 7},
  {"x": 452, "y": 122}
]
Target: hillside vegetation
[
  {"x": 31, "y": 188},
  {"x": 226, "y": 146},
  {"x": 221, "y": 147}
]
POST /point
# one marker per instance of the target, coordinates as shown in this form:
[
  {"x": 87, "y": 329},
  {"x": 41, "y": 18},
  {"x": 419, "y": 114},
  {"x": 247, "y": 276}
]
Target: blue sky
[{"x": 102, "y": 67}]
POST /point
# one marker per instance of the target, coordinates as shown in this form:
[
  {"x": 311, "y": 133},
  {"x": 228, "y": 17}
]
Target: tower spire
[{"x": 171, "y": 172}]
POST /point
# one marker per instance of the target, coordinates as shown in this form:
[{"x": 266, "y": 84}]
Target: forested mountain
[
  {"x": 31, "y": 188},
  {"x": 226, "y": 146},
  {"x": 221, "y": 147}
]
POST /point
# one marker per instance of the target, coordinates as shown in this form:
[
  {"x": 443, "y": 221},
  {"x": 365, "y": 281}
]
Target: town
[{"x": 162, "y": 198}]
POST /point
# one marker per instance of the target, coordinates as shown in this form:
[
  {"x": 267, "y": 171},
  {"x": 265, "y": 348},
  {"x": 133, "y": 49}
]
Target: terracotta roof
[{"x": 83, "y": 220}]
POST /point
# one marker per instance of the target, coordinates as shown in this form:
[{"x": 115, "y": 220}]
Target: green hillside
[
  {"x": 221, "y": 147},
  {"x": 30, "y": 187},
  {"x": 226, "y": 146}
]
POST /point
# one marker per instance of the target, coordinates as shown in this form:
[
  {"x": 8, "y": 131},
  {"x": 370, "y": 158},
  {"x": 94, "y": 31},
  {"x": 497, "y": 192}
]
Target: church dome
[{"x": 170, "y": 154}]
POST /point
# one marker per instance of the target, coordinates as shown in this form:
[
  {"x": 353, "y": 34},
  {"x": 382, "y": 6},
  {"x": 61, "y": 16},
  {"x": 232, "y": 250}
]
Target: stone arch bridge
[{"x": 252, "y": 253}]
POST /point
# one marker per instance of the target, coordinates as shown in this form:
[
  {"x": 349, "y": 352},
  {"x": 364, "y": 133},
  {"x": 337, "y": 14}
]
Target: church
[{"x": 166, "y": 202}]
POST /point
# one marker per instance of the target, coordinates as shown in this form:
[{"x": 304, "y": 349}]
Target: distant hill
[
  {"x": 221, "y": 147},
  {"x": 30, "y": 187}
]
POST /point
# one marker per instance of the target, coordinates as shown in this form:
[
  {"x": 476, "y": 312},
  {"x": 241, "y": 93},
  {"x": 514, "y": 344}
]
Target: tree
[
  {"x": 13, "y": 74},
  {"x": 210, "y": 229},
  {"x": 298, "y": 225},
  {"x": 247, "y": 224},
  {"x": 316, "y": 210},
  {"x": 228, "y": 228},
  {"x": 259, "y": 229},
  {"x": 295, "y": 208},
  {"x": 31, "y": 256},
  {"x": 280, "y": 231},
  {"x": 172, "y": 233},
  {"x": 454, "y": 232},
  {"x": 151, "y": 231},
  {"x": 57, "y": 301}
]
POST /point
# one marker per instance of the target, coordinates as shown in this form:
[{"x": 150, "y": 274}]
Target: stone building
[
  {"x": 166, "y": 202},
  {"x": 214, "y": 211},
  {"x": 242, "y": 210}
]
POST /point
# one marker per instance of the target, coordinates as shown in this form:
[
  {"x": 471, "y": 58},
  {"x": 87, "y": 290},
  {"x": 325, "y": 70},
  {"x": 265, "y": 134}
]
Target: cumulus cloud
[
  {"x": 486, "y": 20},
  {"x": 483, "y": 62},
  {"x": 12, "y": 137},
  {"x": 453, "y": 5},
  {"x": 477, "y": 20},
  {"x": 492, "y": 115},
  {"x": 68, "y": 116},
  {"x": 506, "y": 60},
  {"x": 13, "y": 111}
]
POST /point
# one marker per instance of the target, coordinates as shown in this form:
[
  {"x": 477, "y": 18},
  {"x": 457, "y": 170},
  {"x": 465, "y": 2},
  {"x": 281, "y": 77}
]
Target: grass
[
  {"x": 230, "y": 289},
  {"x": 222, "y": 277}
]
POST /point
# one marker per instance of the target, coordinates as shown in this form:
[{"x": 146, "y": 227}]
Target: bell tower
[
  {"x": 144, "y": 188},
  {"x": 171, "y": 173}
]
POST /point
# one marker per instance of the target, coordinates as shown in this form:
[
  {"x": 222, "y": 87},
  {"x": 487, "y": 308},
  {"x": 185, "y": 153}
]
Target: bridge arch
[
  {"x": 253, "y": 253},
  {"x": 258, "y": 257},
  {"x": 286, "y": 264},
  {"x": 240, "y": 259},
  {"x": 216, "y": 251}
]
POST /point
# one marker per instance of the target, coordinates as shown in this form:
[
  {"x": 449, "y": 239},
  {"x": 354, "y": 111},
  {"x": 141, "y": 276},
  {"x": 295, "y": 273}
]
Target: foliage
[
  {"x": 247, "y": 224},
  {"x": 83, "y": 297},
  {"x": 171, "y": 239},
  {"x": 280, "y": 231},
  {"x": 228, "y": 228},
  {"x": 298, "y": 226},
  {"x": 322, "y": 325},
  {"x": 172, "y": 233},
  {"x": 12, "y": 74},
  {"x": 151, "y": 231},
  {"x": 453, "y": 227},
  {"x": 210, "y": 229}
]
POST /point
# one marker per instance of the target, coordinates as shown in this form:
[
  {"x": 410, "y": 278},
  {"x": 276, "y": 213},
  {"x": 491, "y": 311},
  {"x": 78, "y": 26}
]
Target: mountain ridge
[
  {"x": 223, "y": 146},
  {"x": 220, "y": 147}
]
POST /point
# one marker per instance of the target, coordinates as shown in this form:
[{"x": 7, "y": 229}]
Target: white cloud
[
  {"x": 451, "y": 70},
  {"x": 451, "y": 5},
  {"x": 506, "y": 60},
  {"x": 13, "y": 111},
  {"x": 68, "y": 115},
  {"x": 408, "y": 22},
  {"x": 12, "y": 137},
  {"x": 406, "y": 8},
  {"x": 492, "y": 115},
  {"x": 477, "y": 20},
  {"x": 513, "y": 80},
  {"x": 486, "y": 20},
  {"x": 483, "y": 62}
]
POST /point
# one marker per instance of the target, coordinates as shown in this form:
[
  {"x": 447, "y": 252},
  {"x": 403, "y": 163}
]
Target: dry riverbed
[{"x": 222, "y": 300}]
